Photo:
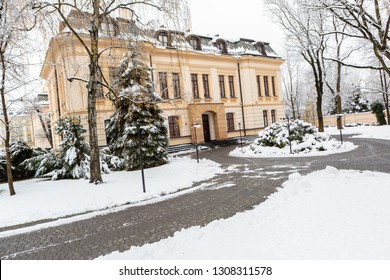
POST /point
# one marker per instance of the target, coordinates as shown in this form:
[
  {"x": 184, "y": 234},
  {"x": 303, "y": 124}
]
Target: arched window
[
  {"x": 261, "y": 48},
  {"x": 194, "y": 41},
  {"x": 221, "y": 45},
  {"x": 163, "y": 38}
]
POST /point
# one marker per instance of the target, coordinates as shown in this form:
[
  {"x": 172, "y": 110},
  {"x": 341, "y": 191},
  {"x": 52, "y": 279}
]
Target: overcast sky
[{"x": 235, "y": 19}]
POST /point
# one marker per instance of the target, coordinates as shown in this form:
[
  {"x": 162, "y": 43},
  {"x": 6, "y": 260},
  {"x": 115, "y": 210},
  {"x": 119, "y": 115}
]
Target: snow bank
[
  {"x": 328, "y": 214},
  {"x": 274, "y": 141},
  {"x": 38, "y": 199},
  {"x": 317, "y": 149},
  {"x": 376, "y": 132}
]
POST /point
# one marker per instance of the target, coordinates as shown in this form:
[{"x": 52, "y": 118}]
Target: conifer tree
[
  {"x": 377, "y": 108},
  {"x": 74, "y": 151},
  {"x": 356, "y": 102},
  {"x": 137, "y": 110}
]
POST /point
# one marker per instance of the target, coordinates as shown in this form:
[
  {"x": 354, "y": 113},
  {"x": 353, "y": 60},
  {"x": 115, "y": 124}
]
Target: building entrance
[{"x": 206, "y": 128}]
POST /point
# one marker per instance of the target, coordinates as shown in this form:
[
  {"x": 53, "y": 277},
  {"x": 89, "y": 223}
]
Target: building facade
[
  {"x": 22, "y": 128},
  {"x": 223, "y": 85}
]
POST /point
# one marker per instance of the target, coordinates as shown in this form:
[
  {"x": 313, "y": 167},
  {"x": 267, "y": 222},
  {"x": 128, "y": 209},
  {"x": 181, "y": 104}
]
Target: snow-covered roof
[
  {"x": 214, "y": 44},
  {"x": 172, "y": 39}
]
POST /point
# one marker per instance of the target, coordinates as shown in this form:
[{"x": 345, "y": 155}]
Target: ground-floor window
[
  {"x": 265, "y": 118},
  {"x": 273, "y": 116},
  {"x": 230, "y": 121},
  {"x": 174, "y": 128}
]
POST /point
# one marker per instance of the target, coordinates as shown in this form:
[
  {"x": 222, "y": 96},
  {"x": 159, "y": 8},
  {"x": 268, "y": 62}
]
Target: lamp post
[
  {"x": 195, "y": 126},
  {"x": 141, "y": 157},
  {"x": 339, "y": 124},
  {"x": 239, "y": 127}
]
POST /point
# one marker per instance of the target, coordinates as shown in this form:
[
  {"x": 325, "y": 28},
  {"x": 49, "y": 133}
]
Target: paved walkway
[{"x": 246, "y": 183}]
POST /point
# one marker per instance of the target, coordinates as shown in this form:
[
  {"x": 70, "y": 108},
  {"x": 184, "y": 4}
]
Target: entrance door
[{"x": 206, "y": 128}]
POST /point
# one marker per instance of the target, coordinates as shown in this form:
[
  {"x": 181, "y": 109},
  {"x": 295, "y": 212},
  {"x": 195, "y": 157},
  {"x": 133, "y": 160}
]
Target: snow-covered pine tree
[
  {"x": 42, "y": 163},
  {"x": 73, "y": 156},
  {"x": 137, "y": 105},
  {"x": 73, "y": 159},
  {"x": 356, "y": 102}
]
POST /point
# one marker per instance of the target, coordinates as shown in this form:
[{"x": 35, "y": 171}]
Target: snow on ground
[
  {"x": 38, "y": 199},
  {"x": 332, "y": 147},
  {"x": 327, "y": 214},
  {"x": 377, "y": 132}
]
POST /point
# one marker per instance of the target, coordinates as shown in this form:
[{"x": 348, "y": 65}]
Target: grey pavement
[{"x": 245, "y": 184}]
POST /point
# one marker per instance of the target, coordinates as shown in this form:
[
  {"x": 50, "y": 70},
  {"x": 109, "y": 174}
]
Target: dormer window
[
  {"x": 163, "y": 38},
  {"x": 194, "y": 43},
  {"x": 221, "y": 45},
  {"x": 261, "y": 48}
]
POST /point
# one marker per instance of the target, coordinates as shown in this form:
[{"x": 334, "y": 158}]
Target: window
[
  {"x": 261, "y": 48},
  {"x": 195, "y": 43},
  {"x": 176, "y": 84},
  {"x": 109, "y": 28},
  {"x": 273, "y": 85},
  {"x": 162, "y": 37},
  {"x": 195, "y": 89},
  {"x": 230, "y": 121},
  {"x": 205, "y": 79},
  {"x": 174, "y": 129},
  {"x": 266, "y": 89},
  {"x": 258, "y": 85},
  {"x": 265, "y": 118},
  {"x": 221, "y": 45},
  {"x": 273, "y": 116},
  {"x": 231, "y": 87},
  {"x": 163, "y": 84},
  {"x": 222, "y": 86}
]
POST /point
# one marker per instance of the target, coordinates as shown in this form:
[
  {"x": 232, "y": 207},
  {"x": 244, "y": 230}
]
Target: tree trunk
[
  {"x": 46, "y": 127},
  {"x": 95, "y": 171},
  {"x": 338, "y": 87},
  {"x": 319, "y": 112},
  {"x": 385, "y": 90},
  {"x": 7, "y": 128},
  {"x": 319, "y": 82}
]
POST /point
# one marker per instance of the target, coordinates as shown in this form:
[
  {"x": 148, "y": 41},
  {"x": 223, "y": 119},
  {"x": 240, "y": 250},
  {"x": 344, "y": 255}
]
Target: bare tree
[
  {"x": 304, "y": 28},
  {"x": 291, "y": 78},
  {"x": 15, "y": 21},
  {"x": 333, "y": 63},
  {"x": 371, "y": 22},
  {"x": 94, "y": 13}
]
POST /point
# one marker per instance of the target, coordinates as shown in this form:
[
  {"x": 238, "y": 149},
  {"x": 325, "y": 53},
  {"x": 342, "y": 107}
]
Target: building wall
[
  {"x": 367, "y": 118},
  {"x": 66, "y": 58},
  {"x": 21, "y": 129}
]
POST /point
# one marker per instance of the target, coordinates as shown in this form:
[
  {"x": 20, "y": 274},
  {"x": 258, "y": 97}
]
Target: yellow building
[
  {"x": 21, "y": 128},
  {"x": 223, "y": 85}
]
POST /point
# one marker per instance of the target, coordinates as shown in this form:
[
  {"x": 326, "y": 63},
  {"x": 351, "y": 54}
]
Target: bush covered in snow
[
  {"x": 303, "y": 136},
  {"x": 20, "y": 151},
  {"x": 377, "y": 108}
]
